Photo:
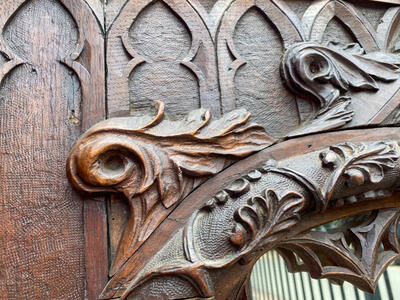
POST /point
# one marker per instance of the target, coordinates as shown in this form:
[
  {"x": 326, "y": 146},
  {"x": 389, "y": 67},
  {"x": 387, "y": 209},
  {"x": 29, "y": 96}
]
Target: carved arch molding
[{"x": 270, "y": 118}]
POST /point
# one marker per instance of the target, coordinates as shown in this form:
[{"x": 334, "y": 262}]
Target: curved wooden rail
[{"x": 206, "y": 243}]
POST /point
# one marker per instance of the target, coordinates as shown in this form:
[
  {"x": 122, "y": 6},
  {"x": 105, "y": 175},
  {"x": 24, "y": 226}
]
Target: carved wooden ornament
[{"x": 210, "y": 191}]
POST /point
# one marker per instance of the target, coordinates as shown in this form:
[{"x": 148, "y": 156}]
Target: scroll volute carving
[
  {"x": 334, "y": 84},
  {"x": 156, "y": 162},
  {"x": 341, "y": 80}
]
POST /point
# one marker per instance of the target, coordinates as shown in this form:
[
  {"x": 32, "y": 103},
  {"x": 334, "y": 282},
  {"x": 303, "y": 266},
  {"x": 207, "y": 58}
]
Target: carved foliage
[
  {"x": 357, "y": 164},
  {"x": 154, "y": 162},
  {"x": 159, "y": 147},
  {"x": 214, "y": 58},
  {"x": 256, "y": 224},
  {"x": 326, "y": 74},
  {"x": 262, "y": 222},
  {"x": 266, "y": 216}
]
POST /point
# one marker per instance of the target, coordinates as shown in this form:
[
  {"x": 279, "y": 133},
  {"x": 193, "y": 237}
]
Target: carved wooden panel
[
  {"x": 234, "y": 127},
  {"x": 227, "y": 54},
  {"x": 299, "y": 68},
  {"x": 51, "y": 89}
]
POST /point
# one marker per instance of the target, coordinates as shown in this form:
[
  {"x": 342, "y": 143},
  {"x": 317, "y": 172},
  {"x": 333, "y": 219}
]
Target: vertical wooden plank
[
  {"x": 51, "y": 89},
  {"x": 96, "y": 252},
  {"x": 94, "y": 209}
]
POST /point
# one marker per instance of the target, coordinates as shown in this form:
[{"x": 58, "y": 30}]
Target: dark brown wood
[
  {"x": 288, "y": 149},
  {"x": 170, "y": 207},
  {"x": 338, "y": 71},
  {"x": 96, "y": 246},
  {"x": 51, "y": 89},
  {"x": 205, "y": 258},
  {"x": 155, "y": 163}
]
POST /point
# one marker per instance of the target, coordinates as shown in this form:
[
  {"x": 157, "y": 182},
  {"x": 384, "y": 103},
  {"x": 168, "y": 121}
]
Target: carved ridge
[
  {"x": 329, "y": 255},
  {"x": 162, "y": 161}
]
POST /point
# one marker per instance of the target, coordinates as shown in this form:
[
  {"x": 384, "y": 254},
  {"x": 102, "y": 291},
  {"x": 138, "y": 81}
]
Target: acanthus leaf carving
[
  {"x": 357, "y": 164},
  {"x": 265, "y": 216},
  {"x": 157, "y": 162},
  {"x": 326, "y": 74},
  {"x": 154, "y": 162}
]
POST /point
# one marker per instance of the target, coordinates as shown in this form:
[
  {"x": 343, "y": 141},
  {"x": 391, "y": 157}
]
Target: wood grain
[
  {"x": 155, "y": 163},
  {"x": 52, "y": 88},
  {"x": 217, "y": 55},
  {"x": 145, "y": 274},
  {"x": 266, "y": 61}
]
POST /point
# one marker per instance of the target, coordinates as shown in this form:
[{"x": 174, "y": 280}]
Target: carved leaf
[
  {"x": 336, "y": 115},
  {"x": 326, "y": 73},
  {"x": 265, "y": 216},
  {"x": 266, "y": 220},
  {"x": 358, "y": 163},
  {"x": 323, "y": 72},
  {"x": 353, "y": 254},
  {"x": 155, "y": 147},
  {"x": 153, "y": 162}
]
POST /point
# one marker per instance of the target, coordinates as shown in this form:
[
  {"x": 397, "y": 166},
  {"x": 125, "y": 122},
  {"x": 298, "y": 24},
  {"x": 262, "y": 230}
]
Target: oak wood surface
[
  {"x": 51, "y": 89},
  {"x": 179, "y": 216},
  {"x": 60, "y": 58}
]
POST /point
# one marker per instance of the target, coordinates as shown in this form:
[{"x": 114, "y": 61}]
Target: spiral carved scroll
[
  {"x": 264, "y": 209},
  {"x": 156, "y": 162}
]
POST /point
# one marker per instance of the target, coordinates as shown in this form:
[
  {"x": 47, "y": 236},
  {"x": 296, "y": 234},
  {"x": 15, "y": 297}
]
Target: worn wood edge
[{"x": 94, "y": 210}]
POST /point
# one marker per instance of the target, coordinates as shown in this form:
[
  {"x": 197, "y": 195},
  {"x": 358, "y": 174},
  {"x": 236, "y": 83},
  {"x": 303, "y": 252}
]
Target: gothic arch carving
[
  {"x": 51, "y": 88},
  {"x": 200, "y": 213},
  {"x": 199, "y": 60}
]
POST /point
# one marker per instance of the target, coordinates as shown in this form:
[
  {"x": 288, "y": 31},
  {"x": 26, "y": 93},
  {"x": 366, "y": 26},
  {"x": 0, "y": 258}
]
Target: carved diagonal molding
[{"x": 261, "y": 210}]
